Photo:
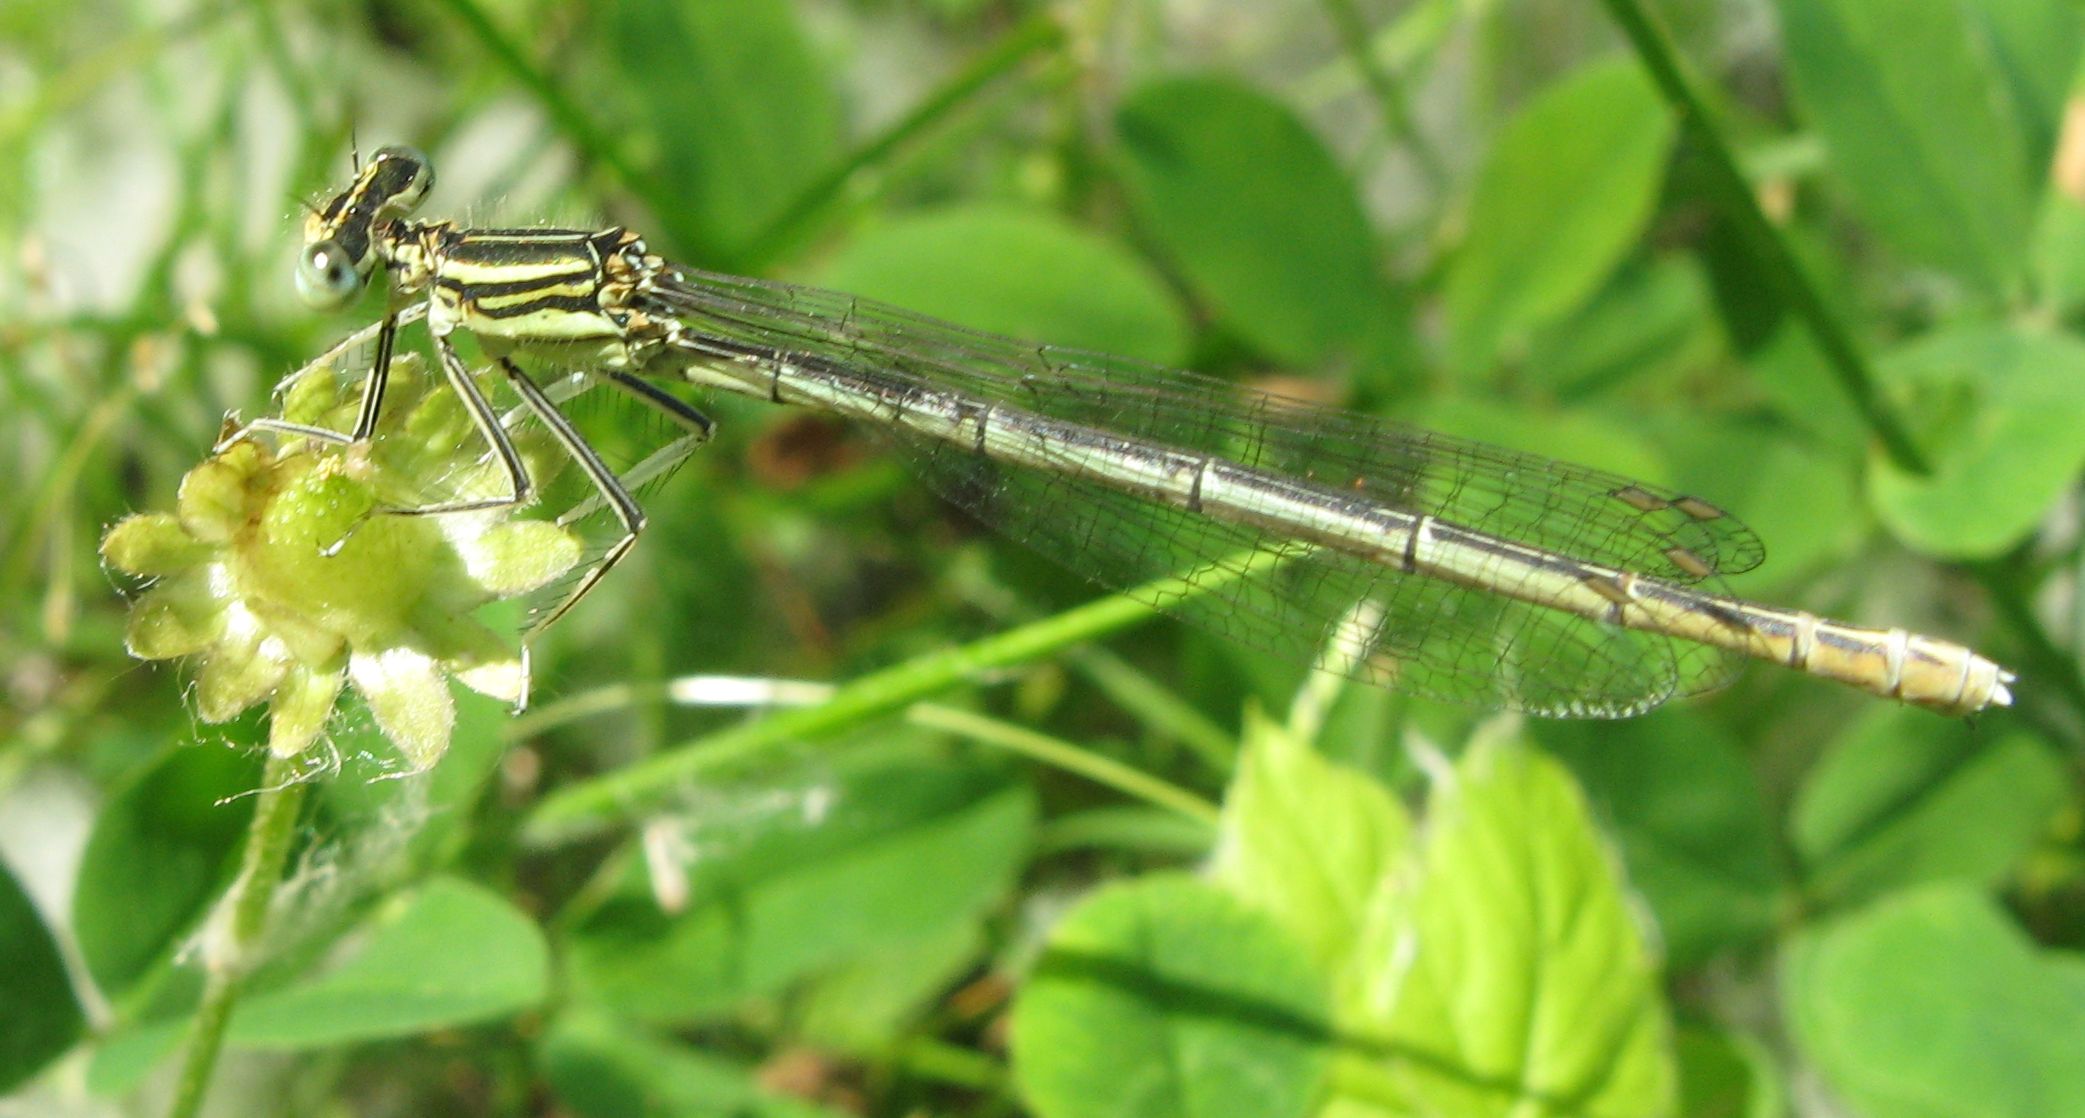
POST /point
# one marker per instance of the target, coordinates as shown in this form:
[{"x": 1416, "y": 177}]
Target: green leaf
[
  {"x": 440, "y": 804},
  {"x": 126, "y": 1054},
  {"x": 1647, "y": 320},
  {"x": 1024, "y": 273},
  {"x": 1512, "y": 972},
  {"x": 450, "y": 954},
  {"x": 1676, "y": 790},
  {"x": 1728, "y": 1075},
  {"x": 159, "y": 855},
  {"x": 891, "y": 848},
  {"x": 42, "y": 1017},
  {"x": 2003, "y": 416},
  {"x": 739, "y": 106},
  {"x": 1566, "y": 190},
  {"x": 2059, "y": 255},
  {"x": 1779, "y": 352},
  {"x": 1307, "y": 841},
  {"x": 1906, "y": 798},
  {"x": 1795, "y": 377},
  {"x": 864, "y": 1004},
  {"x": 1260, "y": 220},
  {"x": 1127, "y": 829},
  {"x": 601, "y": 1068},
  {"x": 1167, "y": 997},
  {"x": 1917, "y": 115},
  {"x": 1585, "y": 436},
  {"x": 1934, "y": 1003},
  {"x": 2035, "y": 44}
]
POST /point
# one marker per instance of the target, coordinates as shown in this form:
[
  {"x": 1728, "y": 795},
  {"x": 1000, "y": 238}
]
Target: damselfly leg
[{"x": 610, "y": 488}]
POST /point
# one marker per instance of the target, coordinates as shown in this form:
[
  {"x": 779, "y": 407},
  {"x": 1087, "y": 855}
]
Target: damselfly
[{"x": 1489, "y": 576}]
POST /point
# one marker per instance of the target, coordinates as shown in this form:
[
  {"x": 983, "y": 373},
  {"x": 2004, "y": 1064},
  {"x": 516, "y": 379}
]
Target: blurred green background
[{"x": 1478, "y": 215}]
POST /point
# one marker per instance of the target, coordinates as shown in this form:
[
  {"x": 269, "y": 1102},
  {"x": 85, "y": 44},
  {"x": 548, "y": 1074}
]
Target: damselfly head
[
  {"x": 341, "y": 237},
  {"x": 398, "y": 178}
]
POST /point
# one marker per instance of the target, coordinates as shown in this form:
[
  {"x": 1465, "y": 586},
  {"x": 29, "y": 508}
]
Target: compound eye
[
  {"x": 327, "y": 277},
  {"x": 408, "y": 176}
]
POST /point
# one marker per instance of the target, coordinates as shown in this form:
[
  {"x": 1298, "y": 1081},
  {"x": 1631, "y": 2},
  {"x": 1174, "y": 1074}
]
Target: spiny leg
[
  {"x": 379, "y": 379},
  {"x": 386, "y": 330},
  {"x": 698, "y": 425},
  {"x": 663, "y": 461},
  {"x": 489, "y": 426},
  {"x": 627, "y": 511},
  {"x": 697, "y": 428},
  {"x": 271, "y": 425}
]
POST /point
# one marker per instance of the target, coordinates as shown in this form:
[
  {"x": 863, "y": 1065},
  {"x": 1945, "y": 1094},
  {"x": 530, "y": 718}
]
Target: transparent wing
[
  {"x": 1589, "y": 514},
  {"x": 1437, "y": 638},
  {"x": 1433, "y": 638}
]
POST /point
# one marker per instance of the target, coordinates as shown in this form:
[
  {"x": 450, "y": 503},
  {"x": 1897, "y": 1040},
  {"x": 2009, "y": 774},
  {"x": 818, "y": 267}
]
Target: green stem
[
  {"x": 1039, "y": 32},
  {"x": 595, "y": 146},
  {"x": 636, "y": 789},
  {"x": 60, "y": 485},
  {"x": 1841, "y": 352},
  {"x": 1059, "y": 754},
  {"x": 2046, "y": 661},
  {"x": 1736, "y": 199},
  {"x": 230, "y": 959},
  {"x": 950, "y": 1064},
  {"x": 607, "y": 699},
  {"x": 1158, "y": 707},
  {"x": 1390, "y": 100},
  {"x": 988, "y": 731},
  {"x": 687, "y": 690}
]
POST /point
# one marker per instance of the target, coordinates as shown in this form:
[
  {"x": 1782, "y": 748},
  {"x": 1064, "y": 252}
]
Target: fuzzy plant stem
[{"x": 230, "y": 957}]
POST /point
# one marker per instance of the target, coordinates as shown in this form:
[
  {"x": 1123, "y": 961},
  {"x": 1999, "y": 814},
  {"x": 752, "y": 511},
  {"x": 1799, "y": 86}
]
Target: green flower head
[{"x": 288, "y": 572}]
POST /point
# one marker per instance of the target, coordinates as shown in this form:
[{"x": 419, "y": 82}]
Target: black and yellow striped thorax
[{"x": 533, "y": 285}]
